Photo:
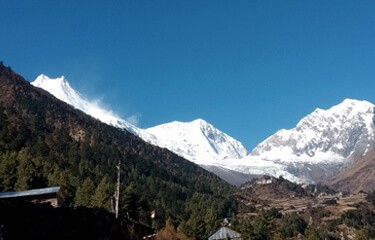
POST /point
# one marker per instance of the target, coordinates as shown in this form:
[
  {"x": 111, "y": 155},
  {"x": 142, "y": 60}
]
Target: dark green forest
[{"x": 45, "y": 142}]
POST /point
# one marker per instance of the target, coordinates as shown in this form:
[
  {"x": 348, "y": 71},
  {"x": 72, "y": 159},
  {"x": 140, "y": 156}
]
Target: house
[
  {"x": 225, "y": 233},
  {"x": 50, "y": 195},
  {"x": 226, "y": 222}
]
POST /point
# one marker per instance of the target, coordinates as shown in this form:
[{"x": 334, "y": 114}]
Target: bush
[{"x": 292, "y": 225}]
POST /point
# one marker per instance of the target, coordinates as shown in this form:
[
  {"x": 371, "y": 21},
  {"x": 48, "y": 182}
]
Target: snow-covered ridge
[
  {"x": 202, "y": 143},
  {"x": 323, "y": 136},
  {"x": 60, "y": 88},
  {"x": 320, "y": 145},
  {"x": 197, "y": 141}
]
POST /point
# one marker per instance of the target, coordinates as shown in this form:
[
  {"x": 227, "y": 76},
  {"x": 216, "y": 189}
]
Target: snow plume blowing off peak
[
  {"x": 197, "y": 141},
  {"x": 60, "y": 88},
  {"x": 321, "y": 144}
]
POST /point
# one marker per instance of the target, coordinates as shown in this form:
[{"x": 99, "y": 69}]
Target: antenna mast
[{"x": 117, "y": 193}]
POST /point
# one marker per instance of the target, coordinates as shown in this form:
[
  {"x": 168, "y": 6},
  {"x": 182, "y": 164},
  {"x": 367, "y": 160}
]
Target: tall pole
[{"x": 117, "y": 193}]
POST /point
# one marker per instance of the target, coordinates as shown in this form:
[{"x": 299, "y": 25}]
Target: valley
[
  {"x": 187, "y": 120},
  {"x": 191, "y": 174},
  {"x": 313, "y": 206}
]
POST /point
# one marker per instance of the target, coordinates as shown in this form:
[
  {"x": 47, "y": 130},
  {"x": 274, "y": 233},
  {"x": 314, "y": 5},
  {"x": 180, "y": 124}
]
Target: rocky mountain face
[
  {"x": 360, "y": 176},
  {"x": 320, "y": 146},
  {"x": 323, "y": 142},
  {"x": 343, "y": 132}
]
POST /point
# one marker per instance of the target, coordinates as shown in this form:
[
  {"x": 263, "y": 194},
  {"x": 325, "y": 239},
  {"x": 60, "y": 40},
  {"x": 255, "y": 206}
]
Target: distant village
[{"x": 262, "y": 194}]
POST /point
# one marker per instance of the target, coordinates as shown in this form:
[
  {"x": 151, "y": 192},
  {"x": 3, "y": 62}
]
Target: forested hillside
[{"x": 45, "y": 142}]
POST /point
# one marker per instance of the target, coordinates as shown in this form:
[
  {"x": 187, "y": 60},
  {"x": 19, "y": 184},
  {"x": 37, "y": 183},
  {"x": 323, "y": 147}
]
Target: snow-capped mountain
[
  {"x": 197, "y": 141},
  {"x": 319, "y": 146},
  {"x": 60, "y": 88},
  {"x": 323, "y": 136}
]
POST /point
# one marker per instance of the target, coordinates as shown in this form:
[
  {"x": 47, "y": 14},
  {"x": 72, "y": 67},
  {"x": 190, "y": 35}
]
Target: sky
[{"x": 248, "y": 67}]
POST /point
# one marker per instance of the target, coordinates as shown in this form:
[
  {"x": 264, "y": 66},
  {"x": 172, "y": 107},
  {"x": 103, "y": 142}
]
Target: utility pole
[{"x": 117, "y": 193}]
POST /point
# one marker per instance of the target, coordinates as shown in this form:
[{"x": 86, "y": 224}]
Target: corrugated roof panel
[
  {"x": 32, "y": 192},
  {"x": 225, "y": 233}
]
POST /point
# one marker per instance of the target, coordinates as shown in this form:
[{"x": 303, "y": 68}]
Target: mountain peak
[
  {"x": 353, "y": 105},
  {"x": 197, "y": 141},
  {"x": 327, "y": 137},
  {"x": 347, "y": 105},
  {"x": 321, "y": 143},
  {"x": 350, "y": 101},
  {"x": 60, "y": 88},
  {"x": 200, "y": 121},
  {"x": 202, "y": 124},
  {"x": 43, "y": 79}
]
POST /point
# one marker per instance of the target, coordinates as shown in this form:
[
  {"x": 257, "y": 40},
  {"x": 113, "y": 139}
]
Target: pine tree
[
  {"x": 130, "y": 201},
  {"x": 8, "y": 171},
  {"x": 211, "y": 220},
  {"x": 26, "y": 171},
  {"x": 102, "y": 195},
  {"x": 168, "y": 232},
  {"x": 292, "y": 225},
  {"x": 196, "y": 227},
  {"x": 246, "y": 229},
  {"x": 85, "y": 192}
]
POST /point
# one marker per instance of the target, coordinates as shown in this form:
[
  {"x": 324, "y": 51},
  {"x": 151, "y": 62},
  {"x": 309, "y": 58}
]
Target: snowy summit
[
  {"x": 60, "y": 88},
  {"x": 196, "y": 141},
  {"x": 323, "y": 136},
  {"x": 321, "y": 144}
]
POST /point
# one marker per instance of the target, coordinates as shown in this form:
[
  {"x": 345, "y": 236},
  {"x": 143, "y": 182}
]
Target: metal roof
[
  {"x": 33, "y": 192},
  {"x": 225, "y": 233}
]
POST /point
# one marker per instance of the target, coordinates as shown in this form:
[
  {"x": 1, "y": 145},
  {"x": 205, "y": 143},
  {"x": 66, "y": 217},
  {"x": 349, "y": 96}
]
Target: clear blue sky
[{"x": 248, "y": 67}]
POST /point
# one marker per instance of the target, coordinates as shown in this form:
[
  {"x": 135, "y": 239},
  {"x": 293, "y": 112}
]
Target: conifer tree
[
  {"x": 25, "y": 171},
  {"x": 102, "y": 195},
  {"x": 169, "y": 232},
  {"x": 85, "y": 192},
  {"x": 8, "y": 171}
]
